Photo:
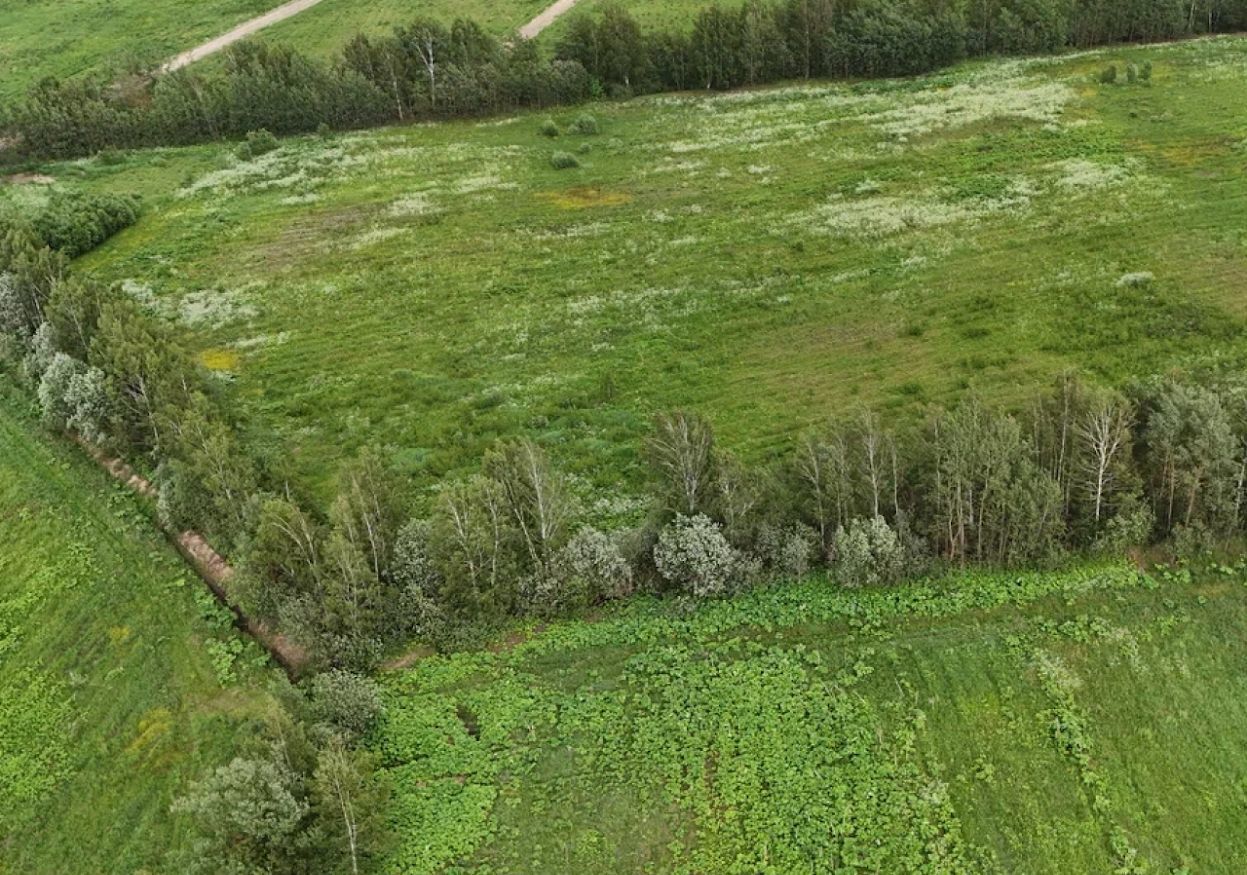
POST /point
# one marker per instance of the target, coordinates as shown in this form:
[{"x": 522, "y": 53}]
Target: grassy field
[
  {"x": 120, "y": 679},
  {"x": 66, "y": 38},
  {"x": 769, "y": 258},
  {"x": 1085, "y": 721}
]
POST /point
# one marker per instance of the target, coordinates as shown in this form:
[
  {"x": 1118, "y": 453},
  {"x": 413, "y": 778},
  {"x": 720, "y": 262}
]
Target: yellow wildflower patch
[{"x": 220, "y": 359}]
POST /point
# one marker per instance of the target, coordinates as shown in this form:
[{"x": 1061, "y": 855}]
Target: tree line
[
  {"x": 427, "y": 70},
  {"x": 1081, "y": 469}
]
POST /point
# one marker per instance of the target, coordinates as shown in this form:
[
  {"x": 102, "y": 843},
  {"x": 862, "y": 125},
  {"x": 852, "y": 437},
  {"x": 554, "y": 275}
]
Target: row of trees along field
[
  {"x": 1081, "y": 469},
  {"x": 303, "y": 795},
  {"x": 427, "y": 70}
]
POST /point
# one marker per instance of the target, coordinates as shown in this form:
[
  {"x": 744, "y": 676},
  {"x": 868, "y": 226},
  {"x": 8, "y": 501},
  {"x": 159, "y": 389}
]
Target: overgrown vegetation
[{"x": 980, "y": 723}]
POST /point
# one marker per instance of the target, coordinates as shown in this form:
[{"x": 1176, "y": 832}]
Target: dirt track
[
  {"x": 208, "y": 564},
  {"x": 546, "y": 18},
  {"x": 543, "y": 20},
  {"x": 244, "y": 30}
]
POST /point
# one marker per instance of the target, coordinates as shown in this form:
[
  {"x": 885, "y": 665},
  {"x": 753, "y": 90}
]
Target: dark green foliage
[
  {"x": 74, "y": 222},
  {"x": 256, "y": 144}
]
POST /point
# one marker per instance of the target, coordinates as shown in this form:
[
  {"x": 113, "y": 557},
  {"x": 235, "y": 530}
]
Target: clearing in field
[
  {"x": 769, "y": 258},
  {"x": 120, "y": 678},
  {"x": 1088, "y": 721}
]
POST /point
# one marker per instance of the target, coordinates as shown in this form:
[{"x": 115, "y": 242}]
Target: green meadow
[
  {"x": 120, "y": 678},
  {"x": 1082, "y": 721},
  {"x": 769, "y": 258}
]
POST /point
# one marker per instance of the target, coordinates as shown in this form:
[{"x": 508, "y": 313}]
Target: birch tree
[
  {"x": 681, "y": 452},
  {"x": 1103, "y": 432},
  {"x": 536, "y": 499}
]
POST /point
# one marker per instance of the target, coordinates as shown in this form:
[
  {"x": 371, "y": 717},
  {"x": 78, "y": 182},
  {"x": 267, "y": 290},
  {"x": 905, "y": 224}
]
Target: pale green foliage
[
  {"x": 868, "y": 552},
  {"x": 249, "y": 814},
  {"x": 345, "y": 703},
  {"x": 414, "y": 573},
  {"x": 587, "y": 570},
  {"x": 54, "y": 387},
  {"x": 87, "y": 398},
  {"x": 681, "y": 454},
  {"x": 564, "y": 161},
  {"x": 42, "y": 352},
  {"x": 12, "y": 314},
  {"x": 693, "y": 555},
  {"x": 593, "y": 557},
  {"x": 786, "y": 552},
  {"x": 410, "y": 564}
]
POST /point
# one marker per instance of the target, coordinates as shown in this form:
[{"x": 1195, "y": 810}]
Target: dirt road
[
  {"x": 244, "y": 30},
  {"x": 546, "y": 18},
  {"x": 294, "y": 7}
]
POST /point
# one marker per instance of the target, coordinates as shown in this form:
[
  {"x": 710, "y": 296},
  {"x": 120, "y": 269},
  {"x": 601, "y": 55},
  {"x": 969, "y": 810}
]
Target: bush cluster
[{"x": 74, "y": 222}]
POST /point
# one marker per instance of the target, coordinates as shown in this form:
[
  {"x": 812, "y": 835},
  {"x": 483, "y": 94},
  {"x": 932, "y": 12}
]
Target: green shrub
[
  {"x": 257, "y": 143},
  {"x": 563, "y": 161},
  {"x": 76, "y": 222},
  {"x": 693, "y": 555},
  {"x": 868, "y": 552},
  {"x": 549, "y": 128},
  {"x": 1108, "y": 75},
  {"x": 344, "y": 703},
  {"x": 585, "y": 125}
]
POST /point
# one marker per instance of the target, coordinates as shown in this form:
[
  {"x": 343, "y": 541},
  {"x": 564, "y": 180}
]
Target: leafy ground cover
[
  {"x": 1088, "y": 720},
  {"x": 120, "y": 678},
  {"x": 768, "y": 257}
]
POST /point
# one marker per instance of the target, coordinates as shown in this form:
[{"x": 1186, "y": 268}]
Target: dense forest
[{"x": 428, "y": 70}]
